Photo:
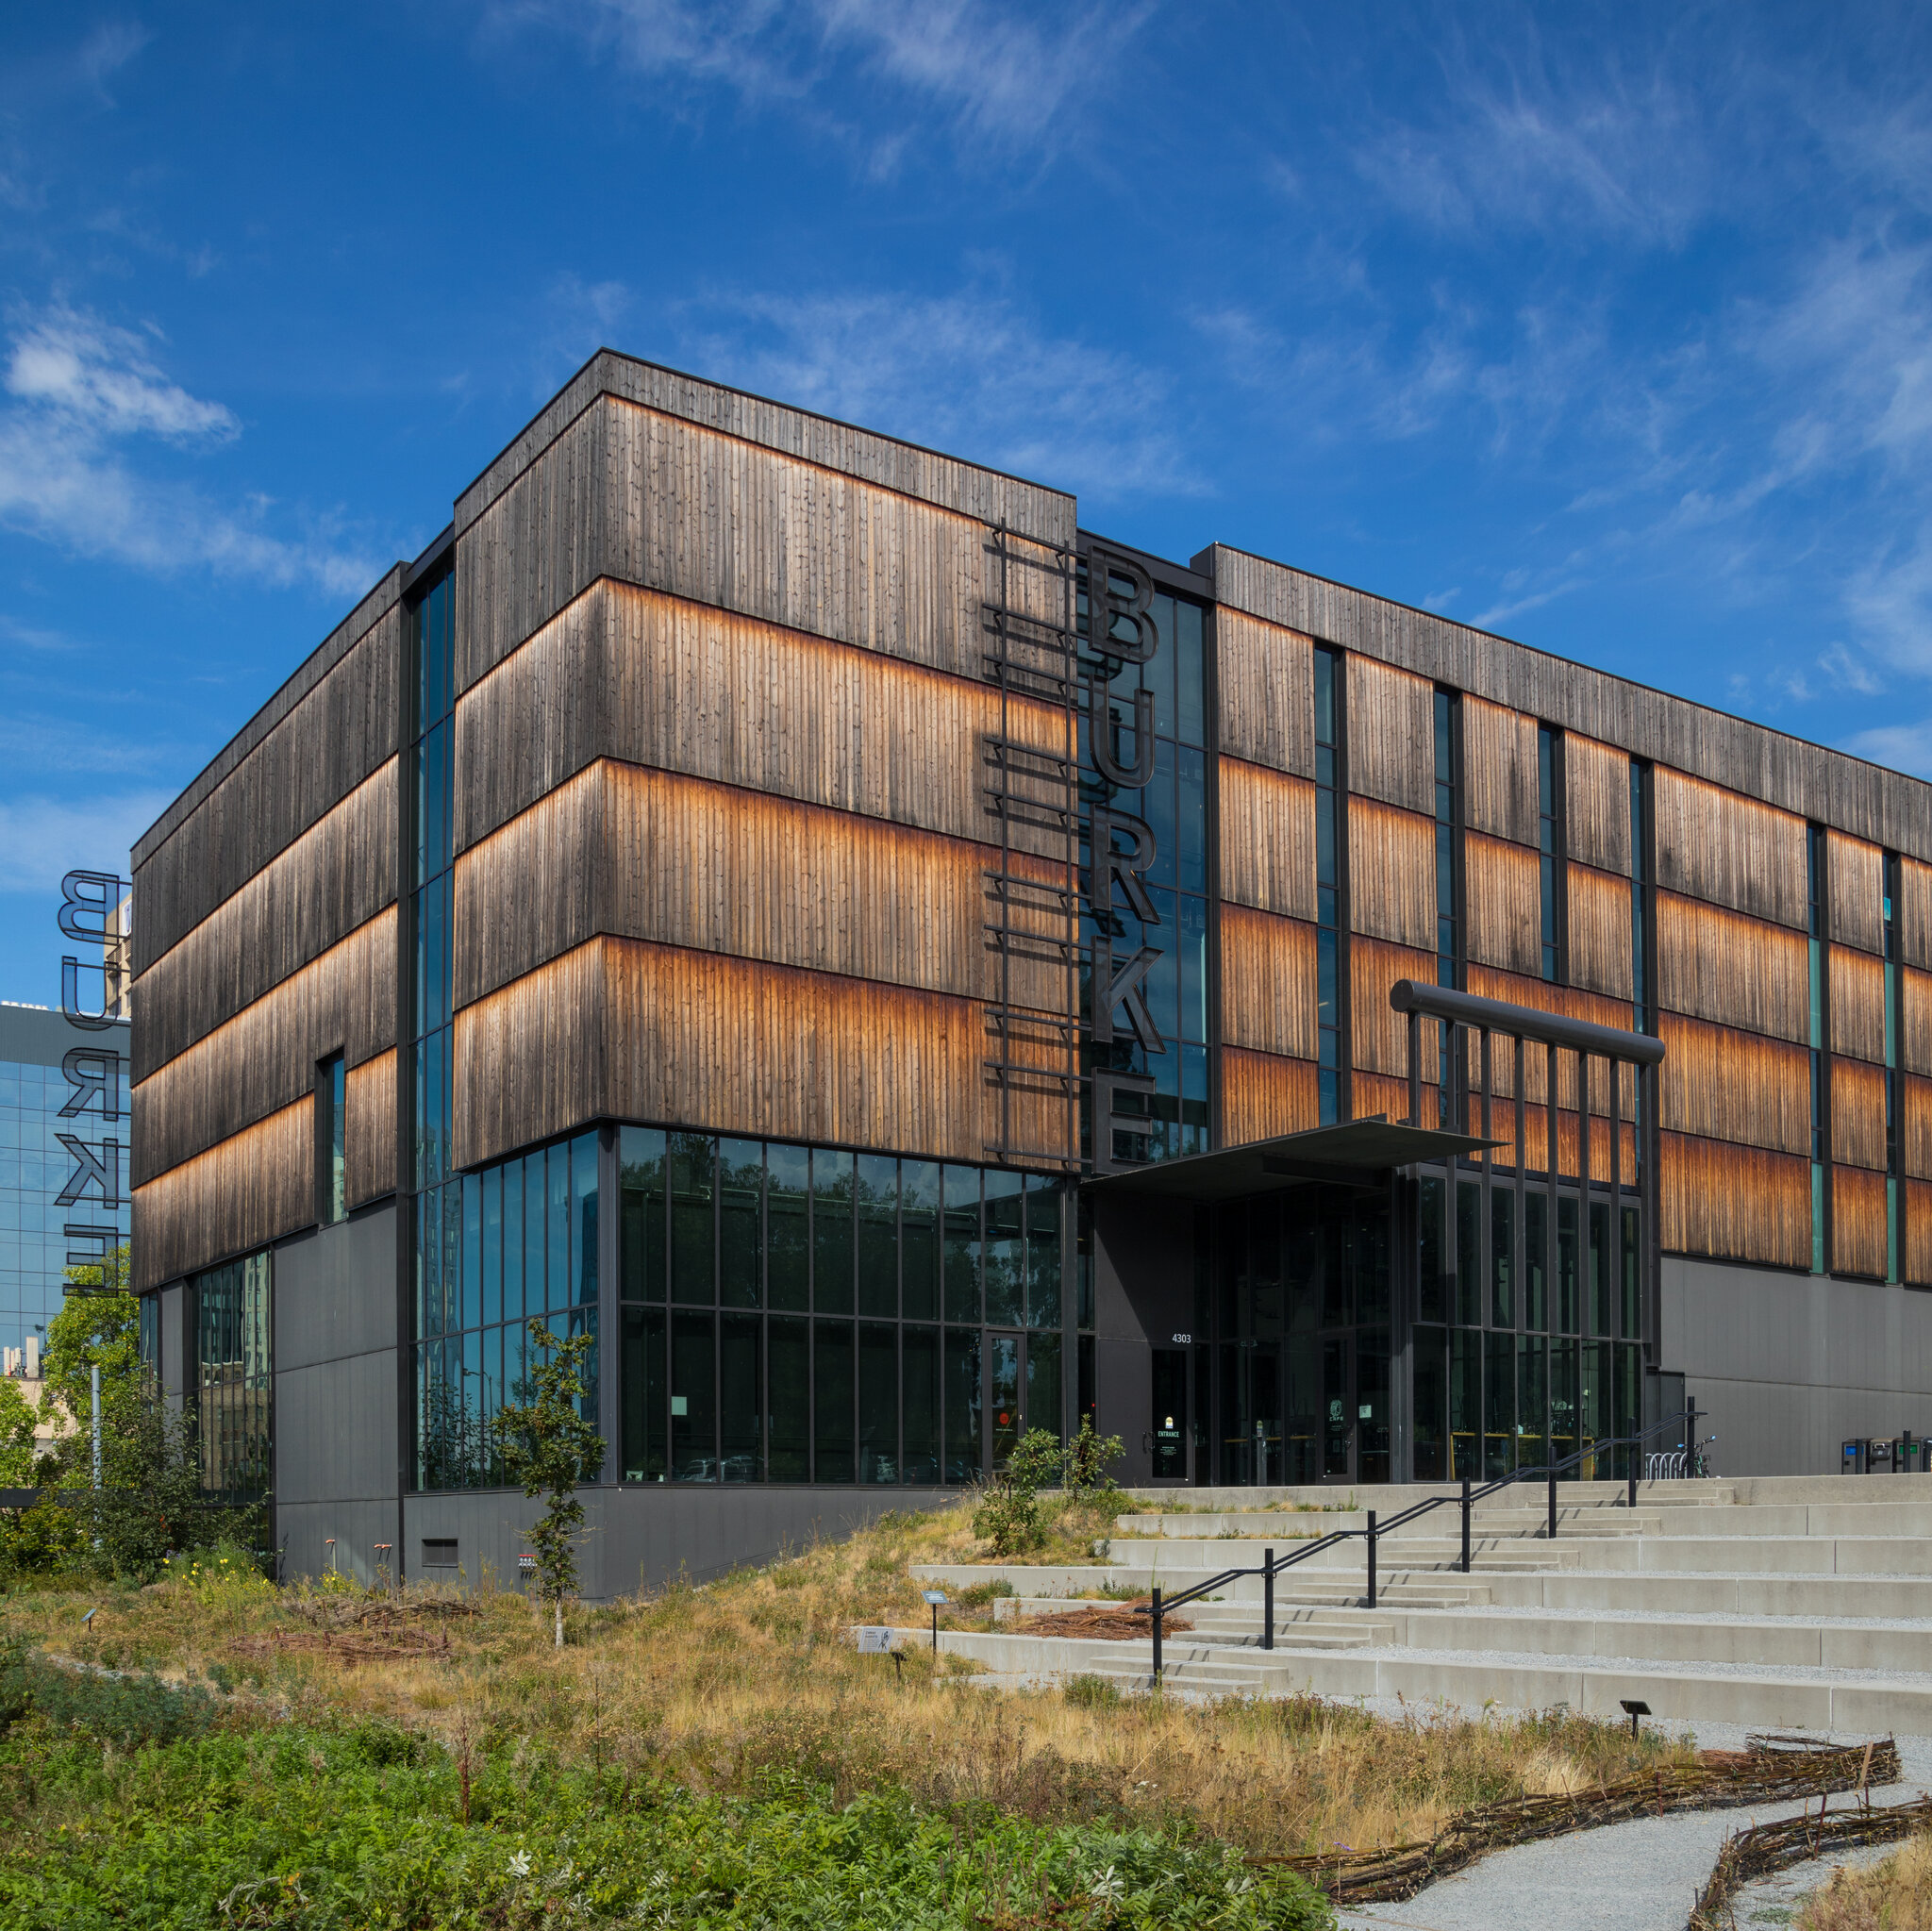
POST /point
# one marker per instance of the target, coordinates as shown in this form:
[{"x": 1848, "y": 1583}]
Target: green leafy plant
[
  {"x": 1085, "y": 1463},
  {"x": 549, "y": 1448},
  {"x": 1008, "y": 1517}
]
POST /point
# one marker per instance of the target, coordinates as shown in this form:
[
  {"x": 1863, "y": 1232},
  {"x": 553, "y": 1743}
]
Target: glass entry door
[
  {"x": 1167, "y": 1436},
  {"x": 1023, "y": 1391},
  {"x": 1337, "y": 1408}
]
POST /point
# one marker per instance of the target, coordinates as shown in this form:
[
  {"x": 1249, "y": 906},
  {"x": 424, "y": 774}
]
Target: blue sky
[{"x": 1607, "y": 327}]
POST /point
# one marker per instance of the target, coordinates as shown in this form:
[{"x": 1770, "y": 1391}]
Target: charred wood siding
[
  {"x": 1267, "y": 983},
  {"x": 1267, "y": 840},
  {"x": 649, "y": 854},
  {"x": 1573, "y": 1002},
  {"x": 1804, "y": 780},
  {"x": 370, "y": 1128},
  {"x": 1499, "y": 772},
  {"x": 1741, "y": 972},
  {"x": 1730, "y": 851},
  {"x": 1734, "y": 1203},
  {"x": 333, "y": 740},
  {"x": 1915, "y": 1042},
  {"x": 1859, "y": 1239},
  {"x": 1858, "y": 1004},
  {"x": 1596, "y": 789},
  {"x": 1378, "y": 1038},
  {"x": 1915, "y": 914},
  {"x": 1599, "y": 931},
  {"x": 655, "y": 681},
  {"x": 1720, "y": 1084},
  {"x": 252, "y": 1188},
  {"x": 264, "y": 1059},
  {"x": 1371, "y": 1094},
  {"x": 1390, "y": 730},
  {"x": 1917, "y": 1127},
  {"x": 1855, "y": 876},
  {"x": 1392, "y": 866},
  {"x": 1535, "y": 1141},
  {"x": 1917, "y": 1259},
  {"x": 1266, "y": 680},
  {"x": 627, "y": 1030},
  {"x": 1502, "y": 896},
  {"x": 1262, "y": 1096},
  {"x": 1857, "y": 1113},
  {"x": 649, "y": 499},
  {"x": 336, "y": 877}
]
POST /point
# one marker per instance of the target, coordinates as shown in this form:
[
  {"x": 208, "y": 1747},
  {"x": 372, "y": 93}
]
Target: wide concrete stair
[{"x": 1728, "y": 1602}]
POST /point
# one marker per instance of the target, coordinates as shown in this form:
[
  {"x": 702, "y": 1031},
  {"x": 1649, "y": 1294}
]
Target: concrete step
[{"x": 1256, "y": 1526}]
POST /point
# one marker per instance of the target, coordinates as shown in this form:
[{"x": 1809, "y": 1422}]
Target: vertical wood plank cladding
[
  {"x": 1262, "y": 1096},
  {"x": 1499, "y": 772},
  {"x": 1390, "y": 723},
  {"x": 1857, "y": 1222},
  {"x": 1371, "y": 1094},
  {"x": 1599, "y": 931},
  {"x": 264, "y": 1058},
  {"x": 1720, "y": 1084},
  {"x": 1719, "y": 965},
  {"x": 1266, "y": 680},
  {"x": 1858, "y": 1004},
  {"x": 1573, "y": 1002},
  {"x": 1734, "y": 1203},
  {"x": 652, "y": 680},
  {"x": 336, "y": 877},
  {"x": 1857, "y": 1113},
  {"x": 750, "y": 875},
  {"x": 643, "y": 1032},
  {"x": 1596, "y": 804},
  {"x": 1915, "y": 913},
  {"x": 1915, "y": 1039},
  {"x": 1267, "y": 983},
  {"x": 1378, "y": 1038},
  {"x": 1502, "y": 896},
  {"x": 1855, "y": 877},
  {"x": 369, "y": 1128},
  {"x": 251, "y": 1188},
  {"x": 339, "y": 733},
  {"x": 1391, "y": 867},
  {"x": 1267, "y": 840},
  {"x": 1916, "y": 1127},
  {"x": 651, "y": 500},
  {"x": 1731, "y": 851},
  {"x": 1536, "y": 1138},
  {"x": 1917, "y": 1257}
]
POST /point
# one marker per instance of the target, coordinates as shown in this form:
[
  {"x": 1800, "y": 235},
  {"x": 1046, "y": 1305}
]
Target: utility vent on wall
[{"x": 439, "y": 1553}]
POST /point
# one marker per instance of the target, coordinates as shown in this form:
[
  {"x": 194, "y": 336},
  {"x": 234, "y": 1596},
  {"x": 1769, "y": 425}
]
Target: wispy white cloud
[
  {"x": 1903, "y": 747},
  {"x": 79, "y": 389},
  {"x": 41, "y": 838}
]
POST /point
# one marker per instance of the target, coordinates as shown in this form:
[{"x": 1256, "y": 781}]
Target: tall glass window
[
  {"x": 1448, "y": 852},
  {"x": 234, "y": 1379},
  {"x": 1549, "y": 780},
  {"x": 1895, "y": 1096},
  {"x": 1819, "y": 929},
  {"x": 1330, "y": 847},
  {"x": 331, "y": 1163},
  {"x": 1640, "y": 901}
]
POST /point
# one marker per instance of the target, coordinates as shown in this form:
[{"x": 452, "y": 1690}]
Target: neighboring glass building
[{"x": 40, "y": 1102}]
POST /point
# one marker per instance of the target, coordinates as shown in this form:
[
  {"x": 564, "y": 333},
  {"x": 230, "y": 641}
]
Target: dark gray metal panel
[
  {"x": 305, "y": 1529},
  {"x": 1143, "y": 1294},
  {"x": 336, "y": 1290},
  {"x": 336, "y": 1431},
  {"x": 1791, "y": 1365}
]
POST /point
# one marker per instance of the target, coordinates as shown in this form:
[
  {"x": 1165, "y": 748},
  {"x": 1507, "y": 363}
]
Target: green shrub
[
  {"x": 1091, "y": 1692},
  {"x": 126, "y": 1711}
]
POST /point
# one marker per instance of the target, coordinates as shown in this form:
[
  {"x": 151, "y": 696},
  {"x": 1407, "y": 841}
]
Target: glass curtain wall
[
  {"x": 234, "y": 1379},
  {"x": 807, "y": 1314}
]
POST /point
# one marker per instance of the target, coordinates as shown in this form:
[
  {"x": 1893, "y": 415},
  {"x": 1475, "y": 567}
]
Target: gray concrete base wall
[{"x": 1789, "y": 1366}]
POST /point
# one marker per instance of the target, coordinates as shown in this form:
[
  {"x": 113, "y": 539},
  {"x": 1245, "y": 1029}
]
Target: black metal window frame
[
  {"x": 1552, "y": 855},
  {"x": 1333, "y": 1057},
  {"x": 331, "y": 1139}
]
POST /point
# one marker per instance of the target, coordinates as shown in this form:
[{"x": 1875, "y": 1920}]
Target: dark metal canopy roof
[{"x": 1359, "y": 1153}]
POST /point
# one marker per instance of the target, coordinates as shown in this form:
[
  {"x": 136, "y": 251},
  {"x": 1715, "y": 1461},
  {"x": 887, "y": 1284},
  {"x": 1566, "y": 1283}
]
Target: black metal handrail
[{"x": 1270, "y": 1564}]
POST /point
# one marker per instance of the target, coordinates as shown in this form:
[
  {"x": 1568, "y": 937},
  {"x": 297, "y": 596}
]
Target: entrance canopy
[{"x": 1359, "y": 1152}]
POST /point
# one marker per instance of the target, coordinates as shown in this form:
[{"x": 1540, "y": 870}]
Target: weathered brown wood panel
[
  {"x": 369, "y": 1128},
  {"x": 1536, "y": 1140},
  {"x": 1600, "y": 941},
  {"x": 1379, "y": 1036},
  {"x": 1859, "y": 1235},
  {"x": 1915, "y": 914},
  {"x": 1858, "y": 1004},
  {"x": 1596, "y": 804},
  {"x": 648, "y": 499},
  {"x": 330, "y": 743},
  {"x": 1915, "y": 1036},
  {"x": 1262, "y": 1096},
  {"x": 1857, "y": 1113},
  {"x": 238, "y": 1195},
  {"x": 1502, "y": 896},
  {"x": 264, "y": 1058},
  {"x": 1392, "y": 871},
  {"x": 1267, "y": 983},
  {"x": 627, "y": 1030},
  {"x": 1739, "y": 972},
  {"x": 1728, "y": 850},
  {"x": 1390, "y": 723},
  {"x": 1267, "y": 840},
  {"x": 1855, "y": 877},
  {"x": 1266, "y": 681},
  {"x": 1499, "y": 772},
  {"x": 655, "y": 681},
  {"x": 1915, "y": 1144},
  {"x": 1372, "y": 1093},
  {"x": 642, "y": 854},
  {"x": 336, "y": 877},
  {"x": 1734, "y": 1203},
  {"x": 1717, "y": 1083},
  {"x": 1573, "y": 1002},
  {"x": 1917, "y": 1257}
]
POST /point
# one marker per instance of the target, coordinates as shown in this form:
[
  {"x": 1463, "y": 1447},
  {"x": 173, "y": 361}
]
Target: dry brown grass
[
  {"x": 1895, "y": 1895},
  {"x": 716, "y": 1686}
]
